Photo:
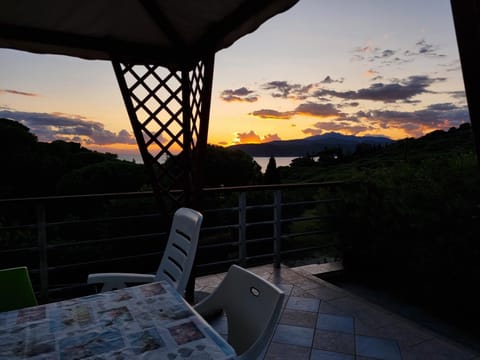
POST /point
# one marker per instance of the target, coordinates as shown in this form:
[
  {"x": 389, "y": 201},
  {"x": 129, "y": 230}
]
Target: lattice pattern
[
  {"x": 196, "y": 80},
  {"x": 165, "y": 109}
]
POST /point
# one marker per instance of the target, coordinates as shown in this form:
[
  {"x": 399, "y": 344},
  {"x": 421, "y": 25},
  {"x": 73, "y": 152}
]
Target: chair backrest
[
  {"x": 16, "y": 289},
  {"x": 253, "y": 307},
  {"x": 177, "y": 260}
]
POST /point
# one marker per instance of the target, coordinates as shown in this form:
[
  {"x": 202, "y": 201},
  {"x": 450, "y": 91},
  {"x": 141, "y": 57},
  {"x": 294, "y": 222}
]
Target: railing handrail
[
  {"x": 137, "y": 194},
  {"x": 241, "y": 227}
]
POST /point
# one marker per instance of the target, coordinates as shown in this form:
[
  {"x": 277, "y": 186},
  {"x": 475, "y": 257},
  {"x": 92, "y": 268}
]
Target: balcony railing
[{"x": 62, "y": 239}]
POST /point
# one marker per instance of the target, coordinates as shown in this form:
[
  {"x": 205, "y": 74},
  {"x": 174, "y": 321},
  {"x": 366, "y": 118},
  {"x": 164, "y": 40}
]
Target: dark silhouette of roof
[{"x": 163, "y": 32}]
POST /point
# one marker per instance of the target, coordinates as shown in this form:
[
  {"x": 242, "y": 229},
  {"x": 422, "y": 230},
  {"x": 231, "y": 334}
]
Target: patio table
[{"x": 150, "y": 321}]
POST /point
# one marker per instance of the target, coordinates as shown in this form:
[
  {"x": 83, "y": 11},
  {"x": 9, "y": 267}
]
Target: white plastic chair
[
  {"x": 252, "y": 306},
  {"x": 177, "y": 260}
]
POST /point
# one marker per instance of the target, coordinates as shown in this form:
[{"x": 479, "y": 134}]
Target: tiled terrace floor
[{"x": 323, "y": 322}]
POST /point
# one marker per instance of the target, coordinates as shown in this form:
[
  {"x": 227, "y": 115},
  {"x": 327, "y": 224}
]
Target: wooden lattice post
[{"x": 169, "y": 111}]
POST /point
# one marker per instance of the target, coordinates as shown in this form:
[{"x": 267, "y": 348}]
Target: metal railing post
[
  {"x": 277, "y": 226},
  {"x": 242, "y": 227},
  {"x": 42, "y": 250}
]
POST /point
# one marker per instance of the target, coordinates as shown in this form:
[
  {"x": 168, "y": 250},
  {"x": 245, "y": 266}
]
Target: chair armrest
[{"x": 112, "y": 281}]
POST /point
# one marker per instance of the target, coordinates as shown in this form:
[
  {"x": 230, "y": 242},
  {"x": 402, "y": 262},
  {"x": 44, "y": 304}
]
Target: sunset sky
[{"x": 361, "y": 67}]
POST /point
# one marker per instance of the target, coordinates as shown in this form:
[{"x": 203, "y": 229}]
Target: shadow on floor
[{"x": 441, "y": 318}]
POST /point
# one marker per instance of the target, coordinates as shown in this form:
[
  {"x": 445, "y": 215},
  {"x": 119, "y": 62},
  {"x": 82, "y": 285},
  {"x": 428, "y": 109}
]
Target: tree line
[{"x": 34, "y": 168}]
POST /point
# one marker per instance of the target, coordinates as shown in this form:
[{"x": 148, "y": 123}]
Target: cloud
[
  {"x": 271, "y": 137},
  {"x": 16, "y": 92},
  {"x": 241, "y": 94},
  {"x": 416, "y": 123},
  {"x": 399, "y": 90},
  {"x": 436, "y": 115},
  {"x": 251, "y": 137},
  {"x": 370, "y": 73},
  {"x": 413, "y": 123},
  {"x": 350, "y": 104},
  {"x": 372, "y": 54},
  {"x": 343, "y": 126},
  {"x": 422, "y": 48},
  {"x": 273, "y": 114},
  {"x": 285, "y": 90},
  {"x": 454, "y": 66},
  {"x": 375, "y": 54},
  {"x": 248, "y": 137},
  {"x": 458, "y": 95},
  {"x": 59, "y": 126},
  {"x": 363, "y": 51},
  {"x": 317, "y": 110},
  {"x": 323, "y": 110},
  {"x": 329, "y": 80},
  {"x": 70, "y": 116},
  {"x": 403, "y": 90}
]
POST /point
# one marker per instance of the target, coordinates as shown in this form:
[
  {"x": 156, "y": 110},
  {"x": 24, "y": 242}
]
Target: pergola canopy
[{"x": 170, "y": 33}]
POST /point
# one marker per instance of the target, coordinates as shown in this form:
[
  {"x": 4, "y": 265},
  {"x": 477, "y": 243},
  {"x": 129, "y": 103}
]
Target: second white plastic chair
[
  {"x": 177, "y": 260},
  {"x": 252, "y": 306}
]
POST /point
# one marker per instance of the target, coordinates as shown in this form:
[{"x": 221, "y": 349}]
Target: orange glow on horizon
[
  {"x": 392, "y": 133},
  {"x": 122, "y": 150}
]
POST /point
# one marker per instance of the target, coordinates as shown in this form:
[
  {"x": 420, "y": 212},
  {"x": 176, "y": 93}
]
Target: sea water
[{"x": 280, "y": 161}]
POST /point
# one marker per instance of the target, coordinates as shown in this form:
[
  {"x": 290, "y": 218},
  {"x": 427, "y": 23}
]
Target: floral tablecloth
[{"x": 150, "y": 321}]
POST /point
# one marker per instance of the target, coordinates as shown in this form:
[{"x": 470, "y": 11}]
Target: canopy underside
[{"x": 170, "y": 33}]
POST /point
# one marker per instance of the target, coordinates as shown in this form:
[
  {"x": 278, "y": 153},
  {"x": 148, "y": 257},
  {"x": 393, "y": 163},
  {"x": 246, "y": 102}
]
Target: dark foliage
[
  {"x": 224, "y": 167},
  {"x": 33, "y": 168},
  {"x": 272, "y": 176},
  {"x": 411, "y": 216}
]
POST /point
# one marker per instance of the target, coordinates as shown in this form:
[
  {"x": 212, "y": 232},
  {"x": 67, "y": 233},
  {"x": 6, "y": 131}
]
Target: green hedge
[{"x": 417, "y": 226}]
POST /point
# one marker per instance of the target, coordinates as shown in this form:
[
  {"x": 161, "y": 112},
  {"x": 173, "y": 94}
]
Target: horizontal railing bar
[
  {"x": 258, "y": 240},
  {"x": 218, "y": 245},
  {"x": 24, "y": 249},
  {"x": 221, "y": 210},
  {"x": 265, "y": 206},
  {"x": 18, "y": 227},
  {"x": 43, "y": 199},
  {"x": 94, "y": 262},
  {"x": 256, "y": 223},
  {"x": 106, "y": 240},
  {"x": 224, "y": 240},
  {"x": 313, "y": 247},
  {"x": 105, "y": 219},
  {"x": 311, "y": 202},
  {"x": 80, "y": 221},
  {"x": 111, "y": 219},
  {"x": 301, "y": 250},
  {"x": 307, "y": 233},
  {"x": 260, "y": 256},
  {"x": 129, "y": 195},
  {"x": 307, "y": 218},
  {"x": 221, "y": 227},
  {"x": 262, "y": 188}
]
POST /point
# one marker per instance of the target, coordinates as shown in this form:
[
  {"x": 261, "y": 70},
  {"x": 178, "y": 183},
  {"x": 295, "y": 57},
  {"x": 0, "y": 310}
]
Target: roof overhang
[{"x": 171, "y": 33}]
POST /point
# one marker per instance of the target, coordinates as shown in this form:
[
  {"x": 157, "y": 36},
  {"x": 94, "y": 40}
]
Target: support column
[{"x": 466, "y": 17}]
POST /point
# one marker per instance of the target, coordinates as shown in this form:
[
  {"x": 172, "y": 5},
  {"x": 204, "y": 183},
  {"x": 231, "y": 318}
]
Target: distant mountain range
[{"x": 310, "y": 145}]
